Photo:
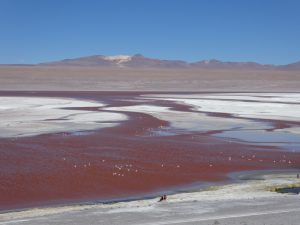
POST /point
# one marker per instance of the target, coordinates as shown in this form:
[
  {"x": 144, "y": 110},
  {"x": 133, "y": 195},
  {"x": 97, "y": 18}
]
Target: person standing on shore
[{"x": 163, "y": 198}]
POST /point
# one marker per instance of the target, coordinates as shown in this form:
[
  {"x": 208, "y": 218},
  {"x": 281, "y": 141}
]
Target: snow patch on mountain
[{"x": 119, "y": 59}]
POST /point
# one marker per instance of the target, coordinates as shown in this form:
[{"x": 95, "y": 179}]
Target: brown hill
[{"x": 140, "y": 61}]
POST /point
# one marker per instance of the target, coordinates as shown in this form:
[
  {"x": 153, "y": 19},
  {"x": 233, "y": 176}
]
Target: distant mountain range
[{"x": 140, "y": 61}]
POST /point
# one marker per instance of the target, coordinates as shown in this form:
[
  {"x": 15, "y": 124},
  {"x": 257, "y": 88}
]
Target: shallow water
[
  {"x": 288, "y": 141},
  {"x": 295, "y": 190}
]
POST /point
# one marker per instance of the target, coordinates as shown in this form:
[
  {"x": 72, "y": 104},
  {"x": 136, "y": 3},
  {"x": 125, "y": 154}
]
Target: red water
[{"x": 119, "y": 162}]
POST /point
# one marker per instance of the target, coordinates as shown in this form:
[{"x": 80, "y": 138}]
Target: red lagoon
[{"x": 121, "y": 161}]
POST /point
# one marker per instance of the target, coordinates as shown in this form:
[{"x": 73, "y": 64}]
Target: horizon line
[{"x": 142, "y": 55}]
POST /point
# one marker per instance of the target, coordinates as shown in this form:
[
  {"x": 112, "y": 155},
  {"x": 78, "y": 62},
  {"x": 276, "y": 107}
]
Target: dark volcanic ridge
[{"x": 140, "y": 61}]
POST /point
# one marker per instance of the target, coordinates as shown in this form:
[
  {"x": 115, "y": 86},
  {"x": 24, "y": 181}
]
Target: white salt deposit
[
  {"x": 258, "y": 110},
  {"x": 245, "y": 109},
  {"x": 264, "y": 97},
  {"x": 280, "y": 109},
  {"x": 29, "y": 116}
]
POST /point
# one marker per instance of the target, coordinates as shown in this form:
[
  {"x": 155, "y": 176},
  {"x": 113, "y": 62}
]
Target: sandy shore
[{"x": 247, "y": 202}]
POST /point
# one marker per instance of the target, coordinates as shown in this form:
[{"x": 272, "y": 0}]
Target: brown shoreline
[{"x": 41, "y": 170}]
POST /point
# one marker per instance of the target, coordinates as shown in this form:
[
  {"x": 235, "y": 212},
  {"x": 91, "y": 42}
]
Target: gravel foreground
[{"x": 245, "y": 203}]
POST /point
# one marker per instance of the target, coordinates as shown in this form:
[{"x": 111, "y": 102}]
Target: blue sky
[{"x": 265, "y": 31}]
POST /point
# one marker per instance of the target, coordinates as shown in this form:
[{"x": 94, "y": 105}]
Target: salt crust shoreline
[{"x": 253, "y": 190}]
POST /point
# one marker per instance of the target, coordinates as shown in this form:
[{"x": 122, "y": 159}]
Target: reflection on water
[
  {"x": 285, "y": 140},
  {"x": 293, "y": 190},
  {"x": 82, "y": 133}
]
